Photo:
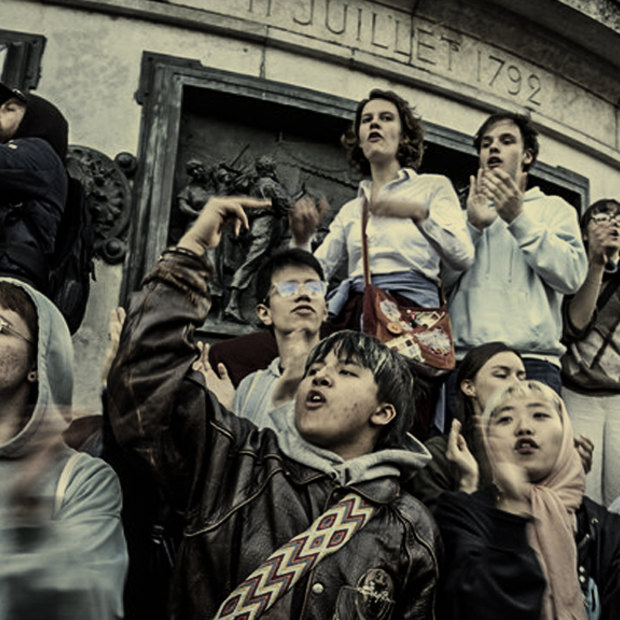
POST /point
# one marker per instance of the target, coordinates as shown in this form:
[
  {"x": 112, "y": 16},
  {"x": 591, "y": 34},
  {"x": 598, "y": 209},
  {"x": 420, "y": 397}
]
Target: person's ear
[
  {"x": 468, "y": 388},
  {"x": 383, "y": 414},
  {"x": 264, "y": 314},
  {"x": 527, "y": 158},
  {"x": 32, "y": 376}
]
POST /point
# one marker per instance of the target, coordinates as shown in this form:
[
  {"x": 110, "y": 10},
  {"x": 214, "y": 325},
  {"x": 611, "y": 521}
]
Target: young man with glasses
[
  {"x": 290, "y": 292},
  {"x": 591, "y": 365},
  {"x": 321, "y": 497}
]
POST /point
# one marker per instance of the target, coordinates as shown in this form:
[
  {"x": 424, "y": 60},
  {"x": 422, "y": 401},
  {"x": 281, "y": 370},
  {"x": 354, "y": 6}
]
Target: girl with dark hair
[
  {"x": 531, "y": 546},
  {"x": 414, "y": 220},
  {"x": 459, "y": 459}
]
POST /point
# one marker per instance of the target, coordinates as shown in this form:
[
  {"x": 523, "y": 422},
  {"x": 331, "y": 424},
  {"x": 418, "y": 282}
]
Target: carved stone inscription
[{"x": 364, "y": 26}]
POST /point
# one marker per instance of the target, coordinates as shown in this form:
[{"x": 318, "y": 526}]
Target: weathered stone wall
[{"x": 455, "y": 60}]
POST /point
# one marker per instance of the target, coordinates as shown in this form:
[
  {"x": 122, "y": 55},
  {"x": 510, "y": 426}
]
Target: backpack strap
[
  {"x": 610, "y": 288},
  {"x": 63, "y": 481}
]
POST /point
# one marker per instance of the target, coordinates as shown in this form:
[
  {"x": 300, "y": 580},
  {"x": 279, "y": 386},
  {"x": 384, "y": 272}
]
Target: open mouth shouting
[
  {"x": 526, "y": 445},
  {"x": 494, "y": 162},
  {"x": 314, "y": 399}
]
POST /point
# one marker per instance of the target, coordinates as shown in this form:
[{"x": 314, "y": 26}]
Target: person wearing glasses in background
[
  {"x": 290, "y": 295},
  {"x": 591, "y": 365}
]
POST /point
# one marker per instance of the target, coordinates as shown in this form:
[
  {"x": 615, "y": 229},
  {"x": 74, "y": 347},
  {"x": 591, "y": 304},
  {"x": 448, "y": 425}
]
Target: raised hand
[
  {"x": 602, "y": 242},
  {"x": 498, "y": 186},
  {"x": 509, "y": 477},
  {"x": 459, "y": 454},
  {"x": 294, "y": 349},
  {"x": 585, "y": 448},
  {"x": 479, "y": 213},
  {"x": 206, "y": 231},
  {"x": 115, "y": 326},
  {"x": 305, "y": 217},
  {"x": 218, "y": 382}
]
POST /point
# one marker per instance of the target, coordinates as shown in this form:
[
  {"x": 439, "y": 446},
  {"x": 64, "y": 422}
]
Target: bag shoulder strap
[
  {"x": 365, "y": 259},
  {"x": 63, "y": 481},
  {"x": 288, "y": 564}
]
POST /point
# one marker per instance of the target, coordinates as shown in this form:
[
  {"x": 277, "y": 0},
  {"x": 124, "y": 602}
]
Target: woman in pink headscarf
[{"x": 530, "y": 546}]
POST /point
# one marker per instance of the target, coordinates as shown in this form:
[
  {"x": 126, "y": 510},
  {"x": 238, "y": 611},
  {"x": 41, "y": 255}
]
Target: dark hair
[
  {"x": 15, "y": 298},
  {"x": 528, "y": 133},
  {"x": 394, "y": 380},
  {"x": 469, "y": 368},
  {"x": 293, "y": 257},
  {"x": 600, "y": 206},
  {"x": 44, "y": 120},
  {"x": 411, "y": 147}
]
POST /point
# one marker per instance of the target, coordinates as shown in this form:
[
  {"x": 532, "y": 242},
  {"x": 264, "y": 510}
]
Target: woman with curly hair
[{"x": 414, "y": 220}]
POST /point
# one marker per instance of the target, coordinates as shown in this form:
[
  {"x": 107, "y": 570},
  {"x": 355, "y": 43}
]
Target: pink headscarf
[{"x": 554, "y": 500}]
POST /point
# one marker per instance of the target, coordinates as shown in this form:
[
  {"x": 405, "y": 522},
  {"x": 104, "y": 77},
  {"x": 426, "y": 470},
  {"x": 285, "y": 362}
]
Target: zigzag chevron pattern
[{"x": 285, "y": 566}]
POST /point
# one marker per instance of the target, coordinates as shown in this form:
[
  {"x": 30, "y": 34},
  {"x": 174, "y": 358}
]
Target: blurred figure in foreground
[{"x": 61, "y": 540}]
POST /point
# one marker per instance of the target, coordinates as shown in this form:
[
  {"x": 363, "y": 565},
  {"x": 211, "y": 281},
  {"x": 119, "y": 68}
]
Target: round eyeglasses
[
  {"x": 291, "y": 288},
  {"x": 606, "y": 217},
  {"x": 6, "y": 328}
]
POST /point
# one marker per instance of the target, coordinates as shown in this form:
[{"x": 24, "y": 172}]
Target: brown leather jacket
[{"x": 240, "y": 495}]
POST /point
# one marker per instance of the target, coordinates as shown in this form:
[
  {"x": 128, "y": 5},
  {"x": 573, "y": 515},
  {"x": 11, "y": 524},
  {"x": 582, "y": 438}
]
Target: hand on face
[
  {"x": 603, "y": 241},
  {"x": 523, "y": 438}
]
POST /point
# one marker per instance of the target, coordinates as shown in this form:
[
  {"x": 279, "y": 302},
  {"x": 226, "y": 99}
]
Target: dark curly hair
[{"x": 411, "y": 147}]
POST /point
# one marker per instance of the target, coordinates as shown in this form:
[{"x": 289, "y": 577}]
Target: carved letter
[
  {"x": 310, "y": 19},
  {"x": 406, "y": 51},
  {"x": 427, "y": 46},
  {"x": 374, "y": 33},
  {"x": 267, "y": 12},
  {"x": 344, "y": 19},
  {"x": 453, "y": 46}
]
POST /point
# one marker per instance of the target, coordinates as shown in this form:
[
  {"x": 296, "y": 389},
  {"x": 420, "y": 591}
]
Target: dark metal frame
[
  {"x": 23, "y": 63},
  {"x": 162, "y": 82}
]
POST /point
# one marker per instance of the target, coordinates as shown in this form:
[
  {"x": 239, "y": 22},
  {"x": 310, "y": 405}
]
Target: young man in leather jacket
[{"x": 242, "y": 492}]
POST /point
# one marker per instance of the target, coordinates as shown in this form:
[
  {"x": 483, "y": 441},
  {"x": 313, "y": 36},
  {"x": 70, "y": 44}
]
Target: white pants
[{"x": 598, "y": 417}]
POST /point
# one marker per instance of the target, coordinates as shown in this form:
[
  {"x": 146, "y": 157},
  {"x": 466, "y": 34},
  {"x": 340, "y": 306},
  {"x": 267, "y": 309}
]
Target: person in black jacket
[
  {"x": 531, "y": 546},
  {"x": 33, "y": 184},
  {"x": 243, "y": 493}
]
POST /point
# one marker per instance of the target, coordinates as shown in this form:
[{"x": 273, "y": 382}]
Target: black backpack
[{"x": 72, "y": 264}]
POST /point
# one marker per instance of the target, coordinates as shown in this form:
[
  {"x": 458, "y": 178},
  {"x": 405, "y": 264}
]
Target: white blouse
[{"x": 398, "y": 244}]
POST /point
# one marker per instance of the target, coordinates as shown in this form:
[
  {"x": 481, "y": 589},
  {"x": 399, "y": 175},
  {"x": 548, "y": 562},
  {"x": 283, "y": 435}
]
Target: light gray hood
[
  {"x": 52, "y": 412},
  {"x": 392, "y": 462}
]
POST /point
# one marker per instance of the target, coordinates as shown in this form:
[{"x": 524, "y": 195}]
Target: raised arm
[{"x": 156, "y": 406}]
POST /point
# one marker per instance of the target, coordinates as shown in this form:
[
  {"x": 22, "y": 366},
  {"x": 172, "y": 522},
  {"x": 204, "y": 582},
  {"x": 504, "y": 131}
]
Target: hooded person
[
  {"x": 530, "y": 546},
  {"x": 61, "y": 540},
  {"x": 33, "y": 184}
]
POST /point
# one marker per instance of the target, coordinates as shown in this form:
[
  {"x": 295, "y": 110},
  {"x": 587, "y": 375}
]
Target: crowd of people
[{"x": 289, "y": 484}]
